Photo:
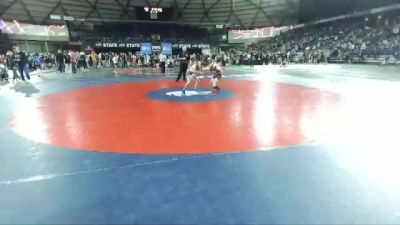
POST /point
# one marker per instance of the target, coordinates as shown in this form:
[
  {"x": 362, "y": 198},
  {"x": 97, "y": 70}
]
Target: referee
[
  {"x": 183, "y": 66},
  {"x": 163, "y": 59}
]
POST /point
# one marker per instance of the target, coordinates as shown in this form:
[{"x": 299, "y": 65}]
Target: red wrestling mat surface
[{"x": 120, "y": 118}]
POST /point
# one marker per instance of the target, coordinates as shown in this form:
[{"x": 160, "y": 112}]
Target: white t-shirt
[
  {"x": 363, "y": 46},
  {"x": 115, "y": 59},
  {"x": 396, "y": 29},
  {"x": 163, "y": 58}
]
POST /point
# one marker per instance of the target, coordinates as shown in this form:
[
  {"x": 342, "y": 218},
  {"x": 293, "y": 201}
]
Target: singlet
[
  {"x": 217, "y": 70},
  {"x": 193, "y": 69}
]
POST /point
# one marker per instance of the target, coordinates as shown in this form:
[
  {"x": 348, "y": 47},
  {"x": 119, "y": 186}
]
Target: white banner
[
  {"x": 22, "y": 31},
  {"x": 244, "y": 36}
]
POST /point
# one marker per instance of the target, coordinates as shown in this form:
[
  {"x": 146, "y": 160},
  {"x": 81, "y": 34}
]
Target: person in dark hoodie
[
  {"x": 60, "y": 59},
  {"x": 21, "y": 59},
  {"x": 183, "y": 66}
]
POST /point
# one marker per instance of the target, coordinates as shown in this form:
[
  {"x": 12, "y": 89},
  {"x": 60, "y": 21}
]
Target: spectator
[
  {"x": 21, "y": 58},
  {"x": 60, "y": 62},
  {"x": 68, "y": 63},
  {"x": 73, "y": 58},
  {"x": 37, "y": 62},
  {"x": 163, "y": 59}
]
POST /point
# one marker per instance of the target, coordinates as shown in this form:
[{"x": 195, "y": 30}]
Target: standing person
[
  {"x": 168, "y": 62},
  {"x": 68, "y": 65},
  {"x": 3, "y": 69},
  {"x": 89, "y": 62},
  {"x": 115, "y": 60},
  {"x": 81, "y": 61},
  {"x": 37, "y": 61},
  {"x": 163, "y": 59},
  {"x": 60, "y": 61},
  {"x": 128, "y": 59},
  {"x": 224, "y": 59},
  {"x": 285, "y": 62},
  {"x": 11, "y": 64},
  {"x": 140, "y": 60},
  {"x": 252, "y": 60},
  {"x": 183, "y": 66},
  {"x": 107, "y": 59},
  {"x": 124, "y": 60},
  {"x": 94, "y": 59},
  {"x": 152, "y": 61},
  {"x": 157, "y": 61},
  {"x": 73, "y": 57},
  {"x": 147, "y": 60},
  {"x": 216, "y": 69},
  {"x": 133, "y": 59},
  {"x": 100, "y": 63},
  {"x": 194, "y": 71},
  {"x": 46, "y": 61},
  {"x": 102, "y": 57},
  {"x": 22, "y": 59}
]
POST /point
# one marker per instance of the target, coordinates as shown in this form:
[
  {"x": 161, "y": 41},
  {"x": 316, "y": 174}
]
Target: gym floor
[{"x": 306, "y": 144}]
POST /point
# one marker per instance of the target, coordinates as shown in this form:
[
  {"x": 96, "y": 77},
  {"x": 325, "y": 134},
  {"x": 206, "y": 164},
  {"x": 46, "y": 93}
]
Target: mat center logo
[
  {"x": 187, "y": 93},
  {"x": 190, "y": 95}
]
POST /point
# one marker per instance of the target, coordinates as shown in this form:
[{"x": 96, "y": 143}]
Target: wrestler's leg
[
  {"x": 214, "y": 83},
  {"x": 197, "y": 81},
  {"x": 188, "y": 81}
]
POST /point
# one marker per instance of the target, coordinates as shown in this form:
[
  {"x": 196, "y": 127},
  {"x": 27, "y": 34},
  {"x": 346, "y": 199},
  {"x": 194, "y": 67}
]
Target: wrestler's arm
[
  {"x": 205, "y": 69},
  {"x": 219, "y": 70}
]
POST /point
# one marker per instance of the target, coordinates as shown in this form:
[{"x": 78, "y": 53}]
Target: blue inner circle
[{"x": 191, "y": 95}]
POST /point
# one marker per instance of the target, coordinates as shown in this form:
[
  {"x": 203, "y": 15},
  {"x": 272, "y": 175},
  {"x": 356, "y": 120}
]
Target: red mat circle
[{"x": 120, "y": 118}]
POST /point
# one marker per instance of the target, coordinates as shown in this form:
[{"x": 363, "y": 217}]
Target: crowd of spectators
[
  {"x": 18, "y": 62},
  {"x": 69, "y": 62},
  {"x": 355, "y": 40},
  {"x": 351, "y": 40}
]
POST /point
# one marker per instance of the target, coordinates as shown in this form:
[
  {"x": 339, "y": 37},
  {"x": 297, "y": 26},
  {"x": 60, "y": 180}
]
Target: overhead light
[
  {"x": 69, "y": 18},
  {"x": 55, "y": 17}
]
